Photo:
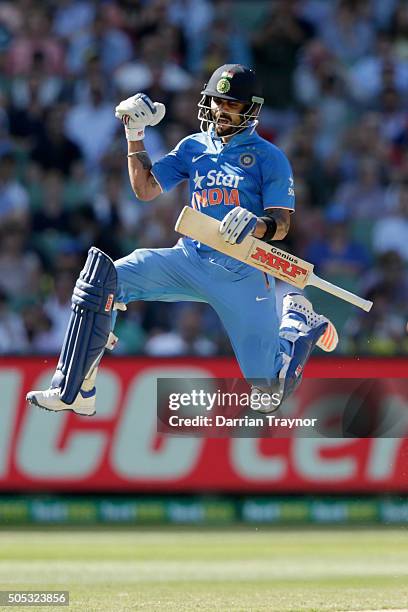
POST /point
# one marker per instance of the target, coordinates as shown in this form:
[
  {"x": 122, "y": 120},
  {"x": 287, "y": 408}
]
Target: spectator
[
  {"x": 381, "y": 331},
  {"x": 187, "y": 340},
  {"x": 349, "y": 31},
  {"x": 226, "y": 44},
  {"x": 38, "y": 327},
  {"x": 364, "y": 196},
  {"x": 389, "y": 273},
  {"x": 147, "y": 20},
  {"x": 57, "y": 308},
  {"x": 195, "y": 18},
  {"x": 336, "y": 253},
  {"x": 276, "y": 45},
  {"x": 383, "y": 12},
  {"x": 12, "y": 16},
  {"x": 302, "y": 145},
  {"x": 70, "y": 256},
  {"x": 320, "y": 83},
  {"x": 129, "y": 330},
  {"x": 112, "y": 205},
  {"x": 36, "y": 37},
  {"x": 5, "y": 141},
  {"x": 110, "y": 44},
  {"x": 20, "y": 268},
  {"x": 13, "y": 196},
  {"x": 50, "y": 222},
  {"x": 391, "y": 233},
  {"x": 156, "y": 221},
  {"x": 315, "y": 61},
  {"x": 80, "y": 186},
  {"x": 72, "y": 17},
  {"x": 26, "y": 121},
  {"x": 92, "y": 125},
  {"x": 36, "y": 82},
  {"x": 13, "y": 337},
  {"x": 393, "y": 115},
  {"x": 84, "y": 226},
  {"x": 54, "y": 150},
  {"x": 381, "y": 68},
  {"x": 80, "y": 91},
  {"x": 155, "y": 72},
  {"x": 183, "y": 111},
  {"x": 399, "y": 31},
  {"x": 364, "y": 140}
]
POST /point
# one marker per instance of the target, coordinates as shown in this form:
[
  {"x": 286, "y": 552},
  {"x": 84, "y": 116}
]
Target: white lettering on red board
[
  {"x": 128, "y": 442},
  {"x": 10, "y": 386},
  {"x": 133, "y": 454}
]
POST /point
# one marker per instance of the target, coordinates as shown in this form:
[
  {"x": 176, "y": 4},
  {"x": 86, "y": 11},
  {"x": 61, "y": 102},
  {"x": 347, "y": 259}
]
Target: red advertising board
[{"x": 119, "y": 449}]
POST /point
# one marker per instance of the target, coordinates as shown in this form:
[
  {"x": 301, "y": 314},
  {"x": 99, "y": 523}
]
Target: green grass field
[{"x": 184, "y": 569}]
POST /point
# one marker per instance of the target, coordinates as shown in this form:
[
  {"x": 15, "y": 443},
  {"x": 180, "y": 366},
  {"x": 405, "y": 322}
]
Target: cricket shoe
[
  {"x": 299, "y": 318},
  {"x": 304, "y": 329},
  {"x": 294, "y": 359},
  {"x": 84, "y": 403}
]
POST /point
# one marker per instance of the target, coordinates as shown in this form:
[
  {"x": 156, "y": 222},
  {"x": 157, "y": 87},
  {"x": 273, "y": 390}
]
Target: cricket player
[{"x": 236, "y": 177}]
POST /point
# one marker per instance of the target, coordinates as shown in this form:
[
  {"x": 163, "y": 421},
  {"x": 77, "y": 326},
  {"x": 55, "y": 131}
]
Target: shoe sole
[
  {"x": 34, "y": 402},
  {"x": 329, "y": 339}
]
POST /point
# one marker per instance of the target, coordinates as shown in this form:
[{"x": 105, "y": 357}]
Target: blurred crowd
[{"x": 335, "y": 79}]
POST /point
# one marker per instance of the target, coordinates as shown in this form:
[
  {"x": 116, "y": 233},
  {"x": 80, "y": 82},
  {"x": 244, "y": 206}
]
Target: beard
[{"x": 225, "y": 129}]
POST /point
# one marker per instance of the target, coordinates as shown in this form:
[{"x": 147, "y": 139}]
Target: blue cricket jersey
[{"x": 248, "y": 171}]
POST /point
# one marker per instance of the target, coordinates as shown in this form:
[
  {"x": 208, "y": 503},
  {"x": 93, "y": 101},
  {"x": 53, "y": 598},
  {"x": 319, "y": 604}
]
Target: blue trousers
[{"x": 237, "y": 292}]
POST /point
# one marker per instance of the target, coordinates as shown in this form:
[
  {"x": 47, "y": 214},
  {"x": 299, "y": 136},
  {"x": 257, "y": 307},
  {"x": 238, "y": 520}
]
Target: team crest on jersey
[
  {"x": 246, "y": 160},
  {"x": 223, "y": 86}
]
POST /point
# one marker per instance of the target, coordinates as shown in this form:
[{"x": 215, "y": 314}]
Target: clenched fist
[{"x": 137, "y": 112}]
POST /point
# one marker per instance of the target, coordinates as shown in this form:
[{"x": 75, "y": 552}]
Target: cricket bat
[{"x": 261, "y": 255}]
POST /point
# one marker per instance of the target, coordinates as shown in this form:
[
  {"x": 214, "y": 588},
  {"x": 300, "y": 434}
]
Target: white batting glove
[
  {"x": 237, "y": 224},
  {"x": 137, "y": 112}
]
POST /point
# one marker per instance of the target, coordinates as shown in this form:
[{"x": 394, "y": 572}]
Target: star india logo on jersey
[{"x": 216, "y": 187}]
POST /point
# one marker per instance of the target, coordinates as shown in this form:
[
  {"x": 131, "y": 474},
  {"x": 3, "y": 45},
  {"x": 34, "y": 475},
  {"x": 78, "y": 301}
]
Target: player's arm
[
  {"x": 142, "y": 180},
  {"x": 136, "y": 113},
  {"x": 274, "y": 225}
]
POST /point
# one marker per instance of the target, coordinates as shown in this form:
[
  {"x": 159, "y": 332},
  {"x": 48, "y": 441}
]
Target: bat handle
[{"x": 339, "y": 292}]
